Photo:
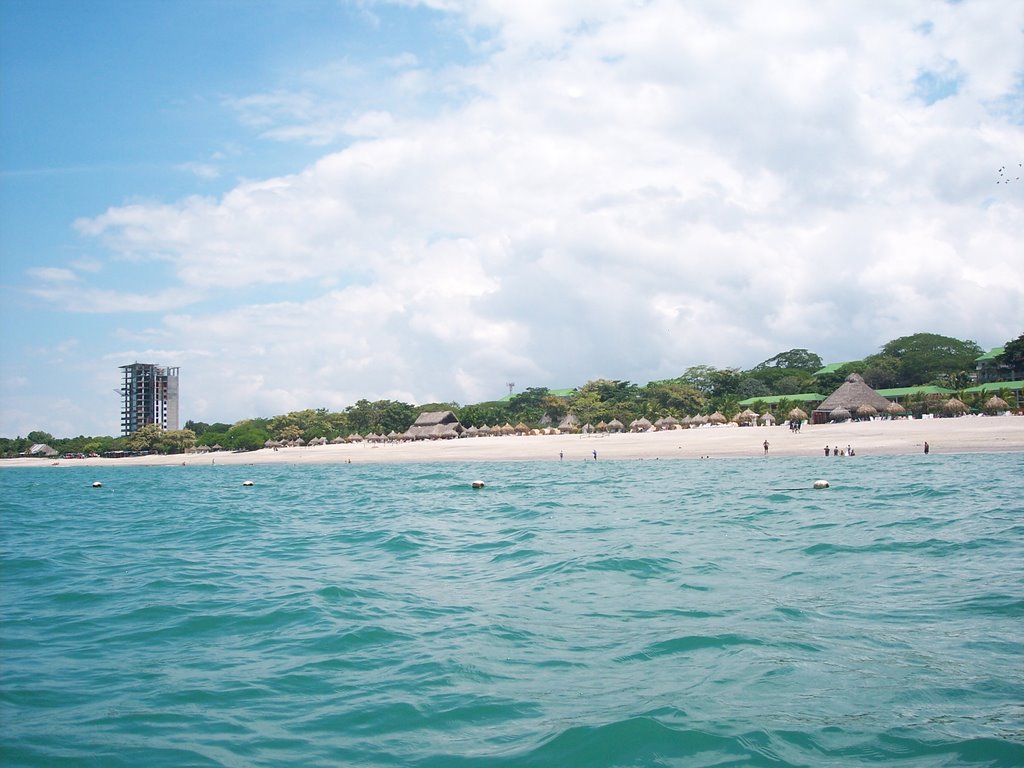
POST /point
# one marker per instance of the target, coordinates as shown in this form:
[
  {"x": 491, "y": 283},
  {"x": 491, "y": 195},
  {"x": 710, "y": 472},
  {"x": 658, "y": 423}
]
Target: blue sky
[{"x": 305, "y": 203}]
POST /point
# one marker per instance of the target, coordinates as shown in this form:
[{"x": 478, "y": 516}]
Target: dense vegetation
[{"x": 924, "y": 358}]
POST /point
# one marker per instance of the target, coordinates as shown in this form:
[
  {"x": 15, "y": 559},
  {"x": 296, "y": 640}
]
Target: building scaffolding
[{"x": 149, "y": 396}]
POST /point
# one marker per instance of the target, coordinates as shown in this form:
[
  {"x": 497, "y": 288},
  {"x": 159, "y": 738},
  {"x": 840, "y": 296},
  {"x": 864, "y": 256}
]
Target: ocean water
[{"x": 643, "y": 613}]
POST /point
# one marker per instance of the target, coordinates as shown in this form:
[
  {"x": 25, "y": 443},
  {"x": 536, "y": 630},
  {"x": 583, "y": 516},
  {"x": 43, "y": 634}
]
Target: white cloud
[{"x": 631, "y": 189}]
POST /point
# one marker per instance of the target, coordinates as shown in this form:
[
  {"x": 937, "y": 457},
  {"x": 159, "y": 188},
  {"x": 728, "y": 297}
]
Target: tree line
[{"x": 920, "y": 359}]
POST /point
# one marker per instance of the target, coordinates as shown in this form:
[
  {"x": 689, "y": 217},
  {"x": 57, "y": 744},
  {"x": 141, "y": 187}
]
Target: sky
[{"x": 302, "y": 203}]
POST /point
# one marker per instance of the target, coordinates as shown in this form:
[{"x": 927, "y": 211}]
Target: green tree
[
  {"x": 38, "y": 436},
  {"x": 672, "y": 398},
  {"x": 1013, "y": 358},
  {"x": 529, "y": 405},
  {"x": 927, "y": 357},
  {"x": 145, "y": 438},
  {"x": 882, "y": 371},
  {"x": 796, "y": 359},
  {"x": 490, "y": 413}
]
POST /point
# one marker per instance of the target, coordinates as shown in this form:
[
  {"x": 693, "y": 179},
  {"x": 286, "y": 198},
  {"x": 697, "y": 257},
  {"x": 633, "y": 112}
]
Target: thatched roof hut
[
  {"x": 522, "y": 429},
  {"x": 615, "y": 426},
  {"x": 587, "y": 429},
  {"x": 569, "y": 423},
  {"x": 716, "y": 418},
  {"x": 666, "y": 422},
  {"x": 507, "y": 429},
  {"x": 895, "y": 409},
  {"x": 431, "y": 425},
  {"x": 954, "y": 406},
  {"x": 851, "y": 395},
  {"x": 768, "y": 418},
  {"x": 355, "y": 437},
  {"x": 839, "y": 414},
  {"x": 640, "y": 425},
  {"x": 995, "y": 404},
  {"x": 601, "y": 426},
  {"x": 866, "y": 411},
  {"x": 338, "y": 440}
]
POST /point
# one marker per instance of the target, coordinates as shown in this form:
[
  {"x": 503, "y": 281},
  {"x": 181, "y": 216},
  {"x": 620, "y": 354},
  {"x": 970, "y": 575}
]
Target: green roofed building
[
  {"x": 805, "y": 397},
  {"x": 896, "y": 394},
  {"x": 998, "y": 387},
  {"x": 555, "y": 392},
  {"x": 990, "y": 367},
  {"x": 832, "y": 368}
]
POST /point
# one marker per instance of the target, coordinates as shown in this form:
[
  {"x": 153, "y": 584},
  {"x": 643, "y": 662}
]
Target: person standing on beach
[
  {"x": 926, "y": 449},
  {"x": 595, "y": 454},
  {"x": 561, "y": 455},
  {"x": 765, "y": 447},
  {"x": 827, "y": 451}
]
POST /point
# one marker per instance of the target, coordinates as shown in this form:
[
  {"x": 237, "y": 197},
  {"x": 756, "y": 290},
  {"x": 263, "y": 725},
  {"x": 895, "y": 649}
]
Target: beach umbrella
[
  {"x": 587, "y": 429},
  {"x": 355, "y": 437},
  {"x": 767, "y": 418},
  {"x": 995, "y": 404},
  {"x": 484, "y": 430},
  {"x": 522, "y": 429},
  {"x": 953, "y": 405},
  {"x": 615, "y": 426},
  {"x": 866, "y": 411},
  {"x": 392, "y": 435},
  {"x": 716, "y": 418},
  {"x": 839, "y": 414},
  {"x": 269, "y": 444},
  {"x": 507, "y": 429},
  {"x": 895, "y": 409},
  {"x": 640, "y": 425},
  {"x": 797, "y": 415}
]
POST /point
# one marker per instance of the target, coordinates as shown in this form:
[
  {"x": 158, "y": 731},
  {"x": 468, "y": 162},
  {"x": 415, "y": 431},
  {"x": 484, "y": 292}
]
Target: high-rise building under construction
[{"x": 150, "y": 396}]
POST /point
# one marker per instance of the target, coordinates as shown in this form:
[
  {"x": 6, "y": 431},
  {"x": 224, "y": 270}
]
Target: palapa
[
  {"x": 839, "y": 414},
  {"x": 996, "y": 404},
  {"x": 615, "y": 426},
  {"x": 717, "y": 418},
  {"x": 953, "y": 405},
  {"x": 851, "y": 395},
  {"x": 866, "y": 411},
  {"x": 431, "y": 425}
]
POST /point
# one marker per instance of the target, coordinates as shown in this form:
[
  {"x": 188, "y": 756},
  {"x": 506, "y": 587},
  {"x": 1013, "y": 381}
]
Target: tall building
[{"x": 150, "y": 396}]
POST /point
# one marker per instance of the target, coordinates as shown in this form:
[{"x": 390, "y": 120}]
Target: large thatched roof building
[
  {"x": 434, "y": 425},
  {"x": 851, "y": 395}
]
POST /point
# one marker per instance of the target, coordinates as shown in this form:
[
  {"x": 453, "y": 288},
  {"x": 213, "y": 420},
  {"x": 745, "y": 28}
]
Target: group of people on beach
[{"x": 837, "y": 451}]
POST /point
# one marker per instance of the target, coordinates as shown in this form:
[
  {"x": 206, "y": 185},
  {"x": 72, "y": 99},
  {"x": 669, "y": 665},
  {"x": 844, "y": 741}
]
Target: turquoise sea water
[{"x": 644, "y": 613}]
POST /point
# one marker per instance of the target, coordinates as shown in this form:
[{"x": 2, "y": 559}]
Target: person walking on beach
[
  {"x": 595, "y": 454},
  {"x": 827, "y": 451},
  {"x": 765, "y": 447},
  {"x": 926, "y": 447}
]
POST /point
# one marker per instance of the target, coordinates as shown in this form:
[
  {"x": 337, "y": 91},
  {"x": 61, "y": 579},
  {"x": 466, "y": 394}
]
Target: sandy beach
[{"x": 969, "y": 434}]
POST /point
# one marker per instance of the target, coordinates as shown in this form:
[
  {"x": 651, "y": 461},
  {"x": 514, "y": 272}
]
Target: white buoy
[
  {"x": 821, "y": 484},
  {"x": 478, "y": 483},
  {"x": 97, "y": 484},
  {"x": 247, "y": 482}
]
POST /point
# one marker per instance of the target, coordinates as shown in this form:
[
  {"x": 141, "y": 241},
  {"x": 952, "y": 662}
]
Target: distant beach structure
[{"x": 852, "y": 397}]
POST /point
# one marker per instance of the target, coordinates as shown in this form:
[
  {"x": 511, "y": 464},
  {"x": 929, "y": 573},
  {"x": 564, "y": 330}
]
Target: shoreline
[{"x": 967, "y": 434}]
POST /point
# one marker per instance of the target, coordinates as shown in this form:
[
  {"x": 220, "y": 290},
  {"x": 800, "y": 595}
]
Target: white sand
[{"x": 969, "y": 434}]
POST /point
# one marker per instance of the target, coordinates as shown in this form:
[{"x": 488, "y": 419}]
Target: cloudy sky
[{"x": 305, "y": 203}]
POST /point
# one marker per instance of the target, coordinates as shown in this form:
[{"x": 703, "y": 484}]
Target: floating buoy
[
  {"x": 247, "y": 482},
  {"x": 97, "y": 484},
  {"x": 478, "y": 483},
  {"x": 821, "y": 483}
]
